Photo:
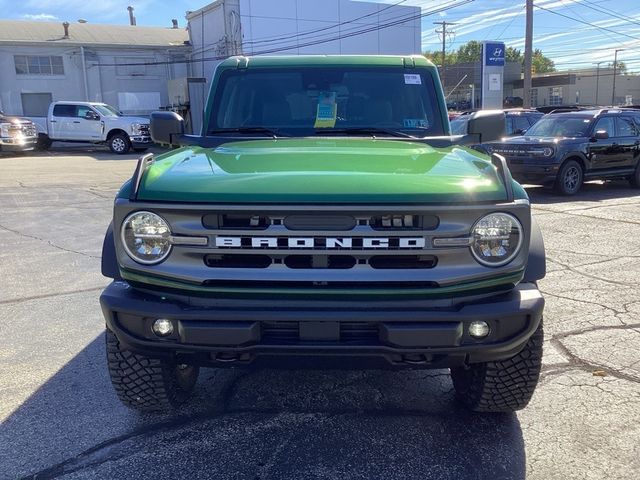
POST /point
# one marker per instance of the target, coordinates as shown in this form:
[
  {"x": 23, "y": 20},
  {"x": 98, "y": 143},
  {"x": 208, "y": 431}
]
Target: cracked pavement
[{"x": 59, "y": 417}]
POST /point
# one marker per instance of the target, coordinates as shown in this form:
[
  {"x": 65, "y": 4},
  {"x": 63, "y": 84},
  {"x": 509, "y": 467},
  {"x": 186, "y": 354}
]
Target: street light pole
[
  {"x": 528, "y": 54},
  {"x": 597, "y": 79},
  {"x": 615, "y": 65}
]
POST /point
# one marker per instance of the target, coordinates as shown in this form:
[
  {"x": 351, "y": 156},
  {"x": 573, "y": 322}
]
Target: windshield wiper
[
  {"x": 268, "y": 131},
  {"x": 364, "y": 130}
]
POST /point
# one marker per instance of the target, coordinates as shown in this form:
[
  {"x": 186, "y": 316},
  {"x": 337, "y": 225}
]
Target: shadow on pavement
[
  {"x": 590, "y": 192},
  {"x": 259, "y": 424}
]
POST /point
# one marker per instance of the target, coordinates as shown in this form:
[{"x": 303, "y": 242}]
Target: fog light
[
  {"x": 479, "y": 329},
  {"x": 162, "y": 327}
]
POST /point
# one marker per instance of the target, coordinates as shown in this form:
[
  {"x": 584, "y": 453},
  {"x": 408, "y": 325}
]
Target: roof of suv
[
  {"x": 327, "y": 60},
  {"x": 597, "y": 112}
]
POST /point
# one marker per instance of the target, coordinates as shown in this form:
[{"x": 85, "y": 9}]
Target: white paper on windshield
[{"x": 412, "y": 79}]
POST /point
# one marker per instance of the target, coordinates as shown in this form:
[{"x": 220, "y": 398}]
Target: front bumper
[
  {"x": 541, "y": 174},
  {"x": 402, "y": 334},
  {"x": 24, "y": 144},
  {"x": 140, "y": 140}
]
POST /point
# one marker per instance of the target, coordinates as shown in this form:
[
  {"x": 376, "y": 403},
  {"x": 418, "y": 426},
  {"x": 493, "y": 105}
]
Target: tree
[
  {"x": 472, "y": 52},
  {"x": 621, "y": 67},
  {"x": 542, "y": 64}
]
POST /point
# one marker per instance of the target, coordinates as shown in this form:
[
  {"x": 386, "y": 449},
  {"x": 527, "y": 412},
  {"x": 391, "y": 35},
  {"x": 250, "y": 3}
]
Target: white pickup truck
[{"x": 95, "y": 123}]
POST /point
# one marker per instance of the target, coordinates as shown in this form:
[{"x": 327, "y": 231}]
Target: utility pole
[
  {"x": 528, "y": 54},
  {"x": 444, "y": 33},
  {"x": 615, "y": 65},
  {"x": 597, "y": 78}
]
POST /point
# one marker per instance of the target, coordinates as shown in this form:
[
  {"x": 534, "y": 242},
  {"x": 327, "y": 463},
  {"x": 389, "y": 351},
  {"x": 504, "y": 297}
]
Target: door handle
[
  {"x": 76, "y": 121},
  {"x": 53, "y": 121}
]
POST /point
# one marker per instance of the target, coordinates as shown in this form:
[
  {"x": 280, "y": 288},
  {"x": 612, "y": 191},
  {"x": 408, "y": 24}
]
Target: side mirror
[
  {"x": 519, "y": 131},
  {"x": 488, "y": 125},
  {"x": 166, "y": 127},
  {"x": 601, "y": 135},
  {"x": 91, "y": 115}
]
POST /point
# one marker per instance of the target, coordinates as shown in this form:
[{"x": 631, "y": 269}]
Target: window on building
[
  {"x": 534, "y": 97},
  {"x": 35, "y": 104},
  {"x": 38, "y": 65},
  {"x": 555, "y": 96}
]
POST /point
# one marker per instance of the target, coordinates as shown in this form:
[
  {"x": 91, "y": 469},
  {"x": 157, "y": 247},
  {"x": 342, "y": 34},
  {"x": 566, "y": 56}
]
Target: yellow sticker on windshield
[{"x": 327, "y": 110}]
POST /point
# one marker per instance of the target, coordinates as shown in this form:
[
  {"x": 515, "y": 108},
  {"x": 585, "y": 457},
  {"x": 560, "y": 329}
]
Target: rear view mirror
[
  {"x": 90, "y": 115},
  {"x": 166, "y": 127},
  {"x": 601, "y": 135},
  {"x": 487, "y": 125}
]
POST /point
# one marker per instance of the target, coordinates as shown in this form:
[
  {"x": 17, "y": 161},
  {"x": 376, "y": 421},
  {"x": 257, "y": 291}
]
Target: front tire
[
  {"x": 504, "y": 385},
  {"x": 569, "y": 178},
  {"x": 634, "y": 179},
  {"x": 148, "y": 384},
  {"x": 119, "y": 143}
]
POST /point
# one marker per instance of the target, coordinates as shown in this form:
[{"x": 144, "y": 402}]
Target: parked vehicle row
[
  {"x": 17, "y": 134},
  {"x": 565, "y": 149}
]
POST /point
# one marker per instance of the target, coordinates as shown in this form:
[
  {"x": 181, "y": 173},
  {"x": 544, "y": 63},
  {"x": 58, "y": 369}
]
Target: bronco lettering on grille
[{"x": 321, "y": 243}]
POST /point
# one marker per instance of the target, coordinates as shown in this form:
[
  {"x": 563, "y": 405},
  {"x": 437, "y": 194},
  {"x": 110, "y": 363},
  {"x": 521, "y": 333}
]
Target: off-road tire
[
  {"x": 501, "y": 386},
  {"x": 634, "y": 179},
  {"x": 44, "y": 142},
  {"x": 148, "y": 384},
  {"x": 119, "y": 143},
  {"x": 569, "y": 179}
]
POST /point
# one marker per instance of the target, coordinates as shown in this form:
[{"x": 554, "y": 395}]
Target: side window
[
  {"x": 82, "y": 111},
  {"x": 606, "y": 124},
  {"x": 533, "y": 119},
  {"x": 626, "y": 127},
  {"x": 521, "y": 123},
  {"x": 64, "y": 110}
]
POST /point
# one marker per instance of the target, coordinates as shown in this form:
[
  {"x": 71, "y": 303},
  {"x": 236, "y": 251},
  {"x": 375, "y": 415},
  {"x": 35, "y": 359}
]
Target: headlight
[
  {"x": 4, "y": 129},
  {"x": 547, "y": 151},
  {"x": 146, "y": 237},
  {"x": 497, "y": 239},
  {"x": 136, "y": 128}
]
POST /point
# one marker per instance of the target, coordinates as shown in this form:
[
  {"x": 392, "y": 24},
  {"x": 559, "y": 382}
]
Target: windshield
[
  {"x": 319, "y": 100},
  {"x": 560, "y": 126},
  {"x": 106, "y": 110}
]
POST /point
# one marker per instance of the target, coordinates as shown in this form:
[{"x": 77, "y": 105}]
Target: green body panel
[
  {"x": 494, "y": 284},
  {"x": 322, "y": 170}
]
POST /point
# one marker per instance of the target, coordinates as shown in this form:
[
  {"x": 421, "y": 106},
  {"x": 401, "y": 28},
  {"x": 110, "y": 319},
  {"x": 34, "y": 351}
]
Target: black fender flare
[
  {"x": 536, "y": 263},
  {"x": 109, "y": 259}
]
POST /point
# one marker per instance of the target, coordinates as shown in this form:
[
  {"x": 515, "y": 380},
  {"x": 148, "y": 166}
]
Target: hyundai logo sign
[{"x": 494, "y": 54}]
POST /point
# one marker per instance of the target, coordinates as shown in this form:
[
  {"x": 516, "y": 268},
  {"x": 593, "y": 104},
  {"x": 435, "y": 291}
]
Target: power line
[
  {"x": 444, "y": 33},
  {"x": 309, "y": 32},
  {"x": 586, "y": 23},
  {"x": 449, "y": 6},
  {"x": 611, "y": 13}
]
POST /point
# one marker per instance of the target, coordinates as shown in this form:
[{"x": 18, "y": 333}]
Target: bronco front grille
[{"x": 318, "y": 248}]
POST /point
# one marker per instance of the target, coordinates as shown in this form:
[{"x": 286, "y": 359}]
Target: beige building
[{"x": 587, "y": 87}]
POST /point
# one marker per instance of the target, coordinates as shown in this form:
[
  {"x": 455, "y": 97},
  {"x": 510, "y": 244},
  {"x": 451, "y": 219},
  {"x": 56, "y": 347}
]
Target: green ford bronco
[{"x": 325, "y": 216}]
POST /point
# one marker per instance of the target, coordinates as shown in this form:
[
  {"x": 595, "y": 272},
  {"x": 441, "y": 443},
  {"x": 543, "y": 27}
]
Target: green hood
[{"x": 323, "y": 170}]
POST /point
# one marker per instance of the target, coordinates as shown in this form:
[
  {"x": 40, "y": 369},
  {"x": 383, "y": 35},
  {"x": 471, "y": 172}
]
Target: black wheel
[
  {"x": 44, "y": 142},
  {"x": 148, "y": 384},
  {"x": 569, "y": 178},
  {"x": 634, "y": 179},
  {"x": 141, "y": 149},
  {"x": 119, "y": 143},
  {"x": 502, "y": 386}
]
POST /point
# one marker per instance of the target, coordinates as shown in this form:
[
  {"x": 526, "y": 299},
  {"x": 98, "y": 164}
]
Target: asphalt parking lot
[{"x": 59, "y": 417}]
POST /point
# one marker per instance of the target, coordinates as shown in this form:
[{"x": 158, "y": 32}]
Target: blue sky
[{"x": 574, "y": 33}]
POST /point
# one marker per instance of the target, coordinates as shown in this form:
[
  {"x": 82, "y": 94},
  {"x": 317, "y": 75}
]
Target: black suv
[
  {"x": 517, "y": 121},
  {"x": 564, "y": 149}
]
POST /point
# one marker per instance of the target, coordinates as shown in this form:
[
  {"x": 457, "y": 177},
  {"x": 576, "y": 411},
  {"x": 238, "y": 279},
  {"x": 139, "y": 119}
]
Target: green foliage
[{"x": 472, "y": 52}]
